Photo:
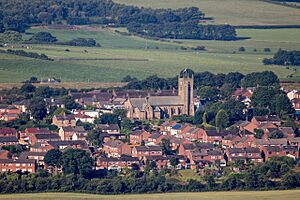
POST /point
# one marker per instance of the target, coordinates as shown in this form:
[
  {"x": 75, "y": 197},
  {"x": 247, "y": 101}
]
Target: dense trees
[
  {"x": 94, "y": 137},
  {"x": 42, "y": 37},
  {"x": 190, "y": 30},
  {"x": 266, "y": 78},
  {"x": 283, "y": 57},
  {"x": 84, "y": 42},
  {"x": 179, "y": 23},
  {"x": 26, "y": 54},
  {"x": 272, "y": 100},
  {"x": 37, "y": 108},
  {"x": 276, "y": 173},
  {"x": 76, "y": 161},
  {"x": 53, "y": 158},
  {"x": 222, "y": 120}
]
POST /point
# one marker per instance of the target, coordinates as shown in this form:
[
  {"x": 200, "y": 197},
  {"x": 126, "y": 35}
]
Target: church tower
[{"x": 185, "y": 91}]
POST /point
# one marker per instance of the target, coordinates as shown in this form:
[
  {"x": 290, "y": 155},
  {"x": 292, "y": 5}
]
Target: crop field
[
  {"x": 265, "y": 195},
  {"x": 121, "y": 55},
  {"x": 235, "y": 12}
]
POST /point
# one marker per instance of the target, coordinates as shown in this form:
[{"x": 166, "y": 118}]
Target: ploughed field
[
  {"x": 121, "y": 55},
  {"x": 266, "y": 195}
]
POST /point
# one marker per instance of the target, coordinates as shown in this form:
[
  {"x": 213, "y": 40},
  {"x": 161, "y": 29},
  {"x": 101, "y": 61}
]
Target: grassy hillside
[
  {"x": 165, "y": 59},
  {"x": 266, "y": 195},
  {"x": 235, "y": 12}
]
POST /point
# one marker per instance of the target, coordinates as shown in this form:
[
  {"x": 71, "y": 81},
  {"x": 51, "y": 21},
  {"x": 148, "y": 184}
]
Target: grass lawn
[
  {"x": 265, "y": 195},
  {"x": 235, "y": 12},
  {"x": 163, "y": 58}
]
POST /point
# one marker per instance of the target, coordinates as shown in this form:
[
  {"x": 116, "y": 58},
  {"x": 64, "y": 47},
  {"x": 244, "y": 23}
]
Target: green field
[
  {"x": 235, "y": 12},
  {"x": 264, "y": 195},
  {"x": 164, "y": 58}
]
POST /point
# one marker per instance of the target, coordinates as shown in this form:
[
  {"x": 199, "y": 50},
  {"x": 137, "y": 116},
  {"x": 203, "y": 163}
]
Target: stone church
[{"x": 160, "y": 107}]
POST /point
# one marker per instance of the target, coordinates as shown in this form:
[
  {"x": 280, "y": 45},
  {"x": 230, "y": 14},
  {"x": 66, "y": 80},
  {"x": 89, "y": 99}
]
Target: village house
[
  {"x": 37, "y": 156},
  {"x": 123, "y": 162},
  {"x": 8, "y": 140},
  {"x": 142, "y": 151},
  {"x": 165, "y": 127},
  {"x": 54, "y": 102},
  {"x": 294, "y": 141},
  {"x": 162, "y": 162},
  {"x": 84, "y": 118},
  {"x": 116, "y": 148},
  {"x": 250, "y": 153},
  {"x": 43, "y": 137},
  {"x": 74, "y": 144},
  {"x": 269, "y": 142},
  {"x": 64, "y": 120},
  {"x": 21, "y": 105},
  {"x": 137, "y": 136},
  {"x": 202, "y": 157},
  {"x": 8, "y": 132},
  {"x": 41, "y": 147},
  {"x": 8, "y": 116},
  {"x": 179, "y": 129},
  {"x": 193, "y": 134},
  {"x": 271, "y": 151},
  {"x": 213, "y": 136},
  {"x": 109, "y": 128},
  {"x": 155, "y": 138},
  {"x": 185, "y": 148},
  {"x": 11, "y": 165},
  {"x": 229, "y": 141},
  {"x": 72, "y": 133}
]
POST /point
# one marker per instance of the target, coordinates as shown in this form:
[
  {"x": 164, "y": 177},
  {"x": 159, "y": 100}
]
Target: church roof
[{"x": 156, "y": 101}]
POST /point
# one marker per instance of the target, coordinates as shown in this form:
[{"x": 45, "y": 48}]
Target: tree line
[
  {"x": 81, "y": 12},
  {"x": 187, "y": 30},
  {"x": 276, "y": 173},
  {"x": 283, "y": 57},
  {"x": 234, "y": 79},
  {"x": 26, "y": 54}
]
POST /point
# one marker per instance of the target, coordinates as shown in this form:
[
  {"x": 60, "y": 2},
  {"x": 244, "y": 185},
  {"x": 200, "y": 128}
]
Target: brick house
[
  {"x": 271, "y": 151},
  {"x": 8, "y": 132},
  {"x": 41, "y": 147},
  {"x": 69, "y": 132},
  {"x": 142, "y": 151},
  {"x": 116, "y": 148},
  {"x": 37, "y": 156},
  {"x": 230, "y": 140},
  {"x": 294, "y": 141},
  {"x": 213, "y": 136},
  {"x": 64, "y": 120},
  {"x": 202, "y": 157},
  {"x": 109, "y": 128},
  {"x": 251, "y": 153},
  {"x": 185, "y": 148},
  {"x": 165, "y": 128},
  {"x": 8, "y": 140},
  {"x": 117, "y": 163},
  {"x": 75, "y": 144},
  {"x": 137, "y": 136},
  {"x": 41, "y": 137},
  {"x": 155, "y": 138},
  {"x": 11, "y": 165},
  {"x": 193, "y": 134}
]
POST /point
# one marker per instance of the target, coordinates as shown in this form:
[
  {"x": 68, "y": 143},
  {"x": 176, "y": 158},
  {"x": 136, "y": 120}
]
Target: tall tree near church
[{"x": 222, "y": 120}]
